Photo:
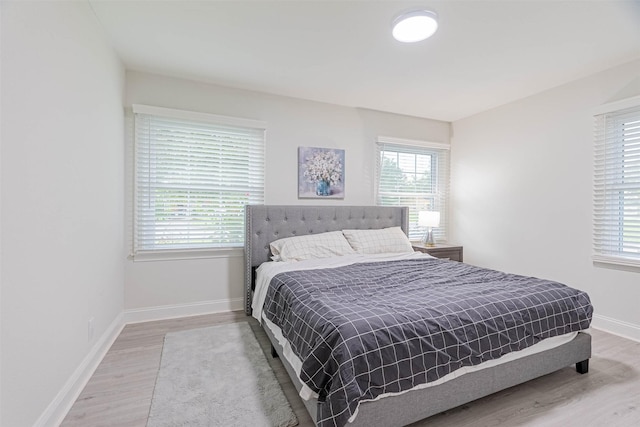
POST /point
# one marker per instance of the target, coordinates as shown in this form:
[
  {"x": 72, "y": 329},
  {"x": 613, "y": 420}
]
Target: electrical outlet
[{"x": 90, "y": 329}]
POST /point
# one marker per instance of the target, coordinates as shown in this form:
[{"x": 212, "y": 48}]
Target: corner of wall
[{"x": 59, "y": 407}]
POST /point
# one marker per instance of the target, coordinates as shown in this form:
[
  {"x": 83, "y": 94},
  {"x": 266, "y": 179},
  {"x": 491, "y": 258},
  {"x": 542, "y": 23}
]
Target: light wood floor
[{"x": 119, "y": 393}]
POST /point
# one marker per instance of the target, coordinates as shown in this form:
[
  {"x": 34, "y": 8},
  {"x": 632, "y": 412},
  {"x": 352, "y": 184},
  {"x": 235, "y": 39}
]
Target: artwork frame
[{"x": 321, "y": 173}]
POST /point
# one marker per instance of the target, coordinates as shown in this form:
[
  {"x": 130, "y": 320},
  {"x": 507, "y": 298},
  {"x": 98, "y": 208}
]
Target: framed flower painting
[{"x": 320, "y": 173}]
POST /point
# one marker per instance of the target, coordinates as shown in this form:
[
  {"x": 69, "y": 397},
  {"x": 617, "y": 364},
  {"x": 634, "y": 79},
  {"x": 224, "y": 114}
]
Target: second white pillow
[
  {"x": 385, "y": 240},
  {"x": 322, "y": 245}
]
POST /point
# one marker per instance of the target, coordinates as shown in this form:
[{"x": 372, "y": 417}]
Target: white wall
[
  {"x": 522, "y": 192},
  {"x": 290, "y": 123},
  {"x": 62, "y": 199}
]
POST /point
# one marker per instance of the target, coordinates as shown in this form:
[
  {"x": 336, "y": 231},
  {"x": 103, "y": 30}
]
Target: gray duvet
[{"x": 372, "y": 328}]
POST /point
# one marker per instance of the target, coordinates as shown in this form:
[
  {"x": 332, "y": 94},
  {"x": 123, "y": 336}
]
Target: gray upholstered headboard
[{"x": 266, "y": 223}]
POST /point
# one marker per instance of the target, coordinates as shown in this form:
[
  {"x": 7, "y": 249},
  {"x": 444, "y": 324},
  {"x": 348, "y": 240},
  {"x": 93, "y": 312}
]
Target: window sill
[
  {"x": 186, "y": 254},
  {"x": 610, "y": 260}
]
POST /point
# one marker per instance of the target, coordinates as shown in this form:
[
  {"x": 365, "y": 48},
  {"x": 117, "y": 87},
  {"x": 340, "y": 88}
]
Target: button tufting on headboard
[{"x": 290, "y": 221}]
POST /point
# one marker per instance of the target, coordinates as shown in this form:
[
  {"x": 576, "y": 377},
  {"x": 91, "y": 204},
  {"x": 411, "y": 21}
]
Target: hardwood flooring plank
[{"x": 120, "y": 391}]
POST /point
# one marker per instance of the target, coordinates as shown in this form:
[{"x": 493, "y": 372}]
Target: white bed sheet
[{"x": 268, "y": 270}]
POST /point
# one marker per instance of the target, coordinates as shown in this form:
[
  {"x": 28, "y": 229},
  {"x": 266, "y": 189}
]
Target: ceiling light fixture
[{"x": 415, "y": 26}]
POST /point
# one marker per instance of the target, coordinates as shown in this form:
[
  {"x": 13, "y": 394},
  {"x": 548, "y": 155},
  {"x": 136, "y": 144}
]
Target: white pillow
[
  {"x": 322, "y": 245},
  {"x": 385, "y": 240}
]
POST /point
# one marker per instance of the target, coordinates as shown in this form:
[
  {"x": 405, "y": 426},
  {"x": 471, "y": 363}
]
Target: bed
[{"x": 265, "y": 224}]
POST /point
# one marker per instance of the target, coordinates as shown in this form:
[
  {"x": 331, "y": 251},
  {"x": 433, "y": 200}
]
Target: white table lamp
[{"x": 428, "y": 219}]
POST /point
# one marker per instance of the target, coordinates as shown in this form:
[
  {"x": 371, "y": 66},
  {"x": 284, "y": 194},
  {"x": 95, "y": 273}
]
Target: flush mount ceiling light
[{"x": 415, "y": 26}]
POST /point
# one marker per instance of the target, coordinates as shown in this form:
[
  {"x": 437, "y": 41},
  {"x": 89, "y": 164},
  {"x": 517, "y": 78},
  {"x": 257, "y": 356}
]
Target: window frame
[
  {"x": 440, "y": 170},
  {"x": 603, "y": 188},
  {"x": 141, "y": 253}
]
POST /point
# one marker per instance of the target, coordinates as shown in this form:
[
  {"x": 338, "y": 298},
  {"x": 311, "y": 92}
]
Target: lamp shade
[{"x": 428, "y": 219}]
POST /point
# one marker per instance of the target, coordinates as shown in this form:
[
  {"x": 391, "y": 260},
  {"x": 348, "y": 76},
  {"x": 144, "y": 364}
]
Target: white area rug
[{"x": 217, "y": 376}]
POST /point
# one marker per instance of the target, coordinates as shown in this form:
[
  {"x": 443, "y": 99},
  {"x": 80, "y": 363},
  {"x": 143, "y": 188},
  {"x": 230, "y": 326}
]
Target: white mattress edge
[{"x": 306, "y": 393}]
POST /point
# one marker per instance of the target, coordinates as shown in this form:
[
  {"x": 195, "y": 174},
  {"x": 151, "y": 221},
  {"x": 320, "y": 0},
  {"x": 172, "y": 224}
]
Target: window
[
  {"x": 616, "y": 220},
  {"x": 194, "y": 173},
  {"x": 415, "y": 174}
]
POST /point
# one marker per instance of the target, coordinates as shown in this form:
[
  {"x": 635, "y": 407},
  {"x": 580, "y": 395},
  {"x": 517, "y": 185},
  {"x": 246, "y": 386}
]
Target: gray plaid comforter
[{"x": 372, "y": 328}]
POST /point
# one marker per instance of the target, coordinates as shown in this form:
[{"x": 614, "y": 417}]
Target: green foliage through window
[
  {"x": 416, "y": 177},
  {"x": 193, "y": 179}
]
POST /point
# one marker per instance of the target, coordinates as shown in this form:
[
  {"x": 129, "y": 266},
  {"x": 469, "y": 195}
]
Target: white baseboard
[
  {"x": 604, "y": 323},
  {"x": 66, "y": 397},
  {"x": 616, "y": 327},
  {"x": 147, "y": 314}
]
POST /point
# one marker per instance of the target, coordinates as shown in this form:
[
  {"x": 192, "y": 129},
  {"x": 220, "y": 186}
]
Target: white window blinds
[
  {"x": 616, "y": 220},
  {"x": 194, "y": 173},
  {"x": 415, "y": 174}
]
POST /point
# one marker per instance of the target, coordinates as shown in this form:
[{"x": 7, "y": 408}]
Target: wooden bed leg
[
  {"x": 274, "y": 353},
  {"x": 582, "y": 367}
]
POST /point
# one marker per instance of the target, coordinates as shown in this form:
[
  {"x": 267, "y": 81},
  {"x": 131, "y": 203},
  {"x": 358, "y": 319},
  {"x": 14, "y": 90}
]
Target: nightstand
[{"x": 454, "y": 253}]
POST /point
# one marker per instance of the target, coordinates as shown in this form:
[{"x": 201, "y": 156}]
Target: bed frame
[{"x": 266, "y": 223}]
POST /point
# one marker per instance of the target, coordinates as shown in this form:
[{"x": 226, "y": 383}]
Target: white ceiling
[{"x": 484, "y": 54}]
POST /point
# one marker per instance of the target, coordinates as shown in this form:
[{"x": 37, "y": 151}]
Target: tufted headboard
[{"x": 266, "y": 223}]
